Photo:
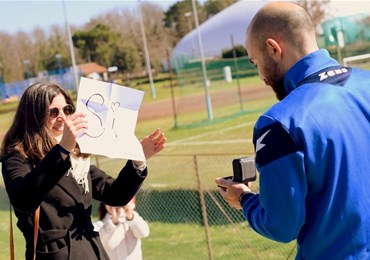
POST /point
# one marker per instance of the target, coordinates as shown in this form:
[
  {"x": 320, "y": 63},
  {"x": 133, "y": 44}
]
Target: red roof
[{"x": 91, "y": 67}]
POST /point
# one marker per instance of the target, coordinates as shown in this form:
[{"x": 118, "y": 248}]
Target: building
[{"x": 93, "y": 70}]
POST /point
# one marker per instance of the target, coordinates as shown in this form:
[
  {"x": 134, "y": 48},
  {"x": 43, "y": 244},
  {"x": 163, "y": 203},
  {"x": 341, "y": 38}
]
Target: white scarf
[{"x": 80, "y": 169}]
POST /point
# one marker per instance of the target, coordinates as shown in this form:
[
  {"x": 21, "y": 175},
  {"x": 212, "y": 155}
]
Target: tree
[
  {"x": 127, "y": 57},
  {"x": 126, "y": 23},
  {"x": 49, "y": 47},
  {"x": 8, "y": 56},
  {"x": 212, "y": 7},
  {"x": 25, "y": 52},
  {"x": 177, "y": 20},
  {"x": 96, "y": 44},
  {"x": 317, "y": 10},
  {"x": 158, "y": 39},
  {"x": 240, "y": 51}
]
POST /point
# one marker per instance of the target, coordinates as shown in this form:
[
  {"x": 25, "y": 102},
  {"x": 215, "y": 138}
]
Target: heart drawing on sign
[{"x": 115, "y": 106}]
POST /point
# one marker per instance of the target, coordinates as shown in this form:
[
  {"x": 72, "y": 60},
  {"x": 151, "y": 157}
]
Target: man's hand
[{"x": 231, "y": 191}]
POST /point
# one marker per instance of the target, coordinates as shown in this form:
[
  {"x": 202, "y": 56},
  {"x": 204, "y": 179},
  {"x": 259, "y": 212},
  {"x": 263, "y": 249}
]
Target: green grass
[
  {"x": 230, "y": 123},
  {"x": 185, "y": 237},
  {"x": 19, "y": 243}
]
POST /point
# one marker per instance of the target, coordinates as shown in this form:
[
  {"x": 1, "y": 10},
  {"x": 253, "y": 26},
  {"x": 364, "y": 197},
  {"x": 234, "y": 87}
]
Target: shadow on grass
[
  {"x": 183, "y": 206},
  {"x": 172, "y": 206}
]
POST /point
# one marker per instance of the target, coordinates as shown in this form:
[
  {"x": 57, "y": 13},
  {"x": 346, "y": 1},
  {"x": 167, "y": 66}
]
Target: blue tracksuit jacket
[{"x": 313, "y": 156}]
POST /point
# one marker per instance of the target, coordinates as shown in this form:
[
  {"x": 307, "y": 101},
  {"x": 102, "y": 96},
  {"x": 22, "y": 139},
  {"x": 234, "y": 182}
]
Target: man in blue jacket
[{"x": 312, "y": 148}]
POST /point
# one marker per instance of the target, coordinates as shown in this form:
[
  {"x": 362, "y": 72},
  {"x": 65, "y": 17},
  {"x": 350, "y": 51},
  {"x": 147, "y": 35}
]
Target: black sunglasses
[{"x": 67, "y": 110}]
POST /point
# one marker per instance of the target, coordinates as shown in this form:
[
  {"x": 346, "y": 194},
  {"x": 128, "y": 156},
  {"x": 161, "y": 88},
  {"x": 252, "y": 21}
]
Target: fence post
[{"x": 204, "y": 210}]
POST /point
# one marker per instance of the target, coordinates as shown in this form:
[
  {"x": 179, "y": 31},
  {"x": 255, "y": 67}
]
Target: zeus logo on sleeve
[
  {"x": 337, "y": 75},
  {"x": 272, "y": 143},
  {"x": 331, "y": 73}
]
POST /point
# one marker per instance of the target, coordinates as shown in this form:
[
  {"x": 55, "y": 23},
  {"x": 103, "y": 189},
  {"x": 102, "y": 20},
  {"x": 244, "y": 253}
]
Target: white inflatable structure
[
  {"x": 232, "y": 22},
  {"x": 216, "y": 32}
]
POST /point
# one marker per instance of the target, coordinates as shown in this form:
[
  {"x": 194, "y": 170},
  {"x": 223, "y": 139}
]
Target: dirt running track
[{"x": 184, "y": 104}]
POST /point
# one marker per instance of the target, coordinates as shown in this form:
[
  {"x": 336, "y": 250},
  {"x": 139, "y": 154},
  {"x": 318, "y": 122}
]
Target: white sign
[{"x": 112, "y": 112}]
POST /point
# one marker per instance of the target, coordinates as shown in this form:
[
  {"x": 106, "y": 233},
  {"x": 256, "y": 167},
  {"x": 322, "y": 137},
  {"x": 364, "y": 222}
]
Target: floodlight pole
[
  {"x": 188, "y": 16},
  {"x": 27, "y": 69},
  {"x": 146, "y": 52},
  {"x": 237, "y": 73},
  {"x": 172, "y": 90},
  {"x": 58, "y": 56},
  {"x": 205, "y": 78},
  {"x": 71, "y": 50},
  {"x": 1, "y": 74},
  {"x": 2, "y": 89}
]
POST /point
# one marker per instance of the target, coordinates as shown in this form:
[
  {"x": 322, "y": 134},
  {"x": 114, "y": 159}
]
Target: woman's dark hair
[
  {"x": 29, "y": 134},
  {"x": 102, "y": 211}
]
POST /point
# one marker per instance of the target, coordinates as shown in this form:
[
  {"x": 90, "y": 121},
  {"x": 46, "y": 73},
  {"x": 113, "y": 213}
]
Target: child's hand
[{"x": 129, "y": 212}]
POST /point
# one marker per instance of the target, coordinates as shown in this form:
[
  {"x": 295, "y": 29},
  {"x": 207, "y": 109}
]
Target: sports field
[{"x": 179, "y": 198}]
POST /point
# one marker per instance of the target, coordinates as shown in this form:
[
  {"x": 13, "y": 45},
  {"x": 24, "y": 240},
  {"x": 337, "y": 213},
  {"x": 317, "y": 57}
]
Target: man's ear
[{"x": 274, "y": 49}]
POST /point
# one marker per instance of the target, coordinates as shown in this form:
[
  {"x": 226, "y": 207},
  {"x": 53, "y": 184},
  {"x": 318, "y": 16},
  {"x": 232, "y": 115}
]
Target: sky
[{"x": 27, "y": 14}]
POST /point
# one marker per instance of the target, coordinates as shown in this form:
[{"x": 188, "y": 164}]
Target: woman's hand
[
  {"x": 152, "y": 144},
  {"x": 74, "y": 126}
]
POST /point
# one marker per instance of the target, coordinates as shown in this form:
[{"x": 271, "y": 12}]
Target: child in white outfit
[{"x": 120, "y": 230}]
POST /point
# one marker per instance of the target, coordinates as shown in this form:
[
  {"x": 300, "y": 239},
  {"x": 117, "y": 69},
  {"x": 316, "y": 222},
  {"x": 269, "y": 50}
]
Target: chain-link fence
[
  {"x": 189, "y": 71},
  {"x": 16, "y": 88},
  {"x": 188, "y": 218}
]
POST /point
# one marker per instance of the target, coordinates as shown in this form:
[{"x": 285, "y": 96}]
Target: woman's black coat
[{"x": 66, "y": 230}]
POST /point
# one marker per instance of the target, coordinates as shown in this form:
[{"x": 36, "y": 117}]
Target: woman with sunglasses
[{"x": 43, "y": 168}]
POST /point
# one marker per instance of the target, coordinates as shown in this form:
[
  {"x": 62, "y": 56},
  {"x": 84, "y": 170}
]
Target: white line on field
[
  {"x": 234, "y": 141},
  {"x": 209, "y": 133},
  {"x": 184, "y": 142}
]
